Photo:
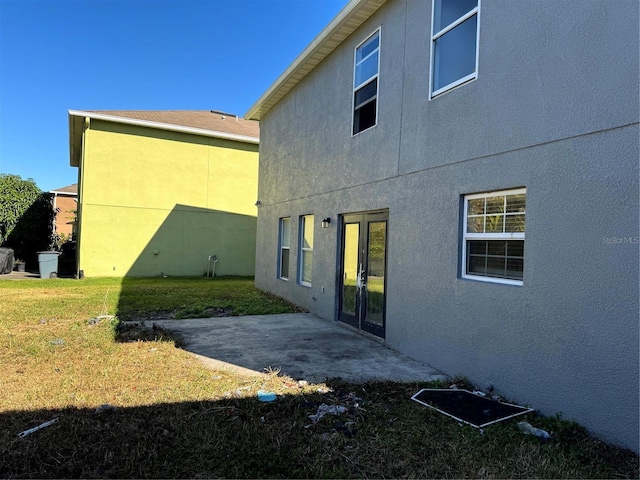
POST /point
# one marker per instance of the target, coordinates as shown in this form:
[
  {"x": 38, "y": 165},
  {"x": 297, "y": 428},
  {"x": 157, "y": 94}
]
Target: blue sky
[{"x": 57, "y": 55}]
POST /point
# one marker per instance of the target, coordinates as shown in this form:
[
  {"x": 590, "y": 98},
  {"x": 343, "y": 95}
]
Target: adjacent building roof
[
  {"x": 70, "y": 190},
  {"x": 354, "y": 14},
  {"x": 210, "y": 123}
]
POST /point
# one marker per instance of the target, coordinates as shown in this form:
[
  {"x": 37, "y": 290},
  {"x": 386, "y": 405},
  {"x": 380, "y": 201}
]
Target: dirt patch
[{"x": 144, "y": 332}]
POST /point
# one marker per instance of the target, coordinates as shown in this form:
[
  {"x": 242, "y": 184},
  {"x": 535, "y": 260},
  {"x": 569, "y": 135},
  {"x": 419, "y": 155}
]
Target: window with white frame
[
  {"x": 493, "y": 243},
  {"x": 305, "y": 258},
  {"x": 285, "y": 247},
  {"x": 454, "y": 43},
  {"x": 365, "y": 83}
]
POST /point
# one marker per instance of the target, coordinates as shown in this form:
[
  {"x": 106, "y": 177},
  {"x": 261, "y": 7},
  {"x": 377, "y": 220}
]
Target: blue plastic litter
[{"x": 265, "y": 396}]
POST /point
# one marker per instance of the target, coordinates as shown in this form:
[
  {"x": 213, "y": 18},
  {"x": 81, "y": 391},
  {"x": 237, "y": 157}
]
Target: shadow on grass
[
  {"x": 381, "y": 434},
  {"x": 232, "y": 438}
]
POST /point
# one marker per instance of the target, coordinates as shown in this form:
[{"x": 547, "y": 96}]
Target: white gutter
[
  {"x": 56, "y": 192},
  {"x": 165, "y": 126}
]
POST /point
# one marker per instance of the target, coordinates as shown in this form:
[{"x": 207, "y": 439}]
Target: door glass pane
[
  {"x": 376, "y": 272},
  {"x": 350, "y": 267}
]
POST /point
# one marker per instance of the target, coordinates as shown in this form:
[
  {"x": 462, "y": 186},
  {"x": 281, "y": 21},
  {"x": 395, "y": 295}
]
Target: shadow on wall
[{"x": 187, "y": 241}]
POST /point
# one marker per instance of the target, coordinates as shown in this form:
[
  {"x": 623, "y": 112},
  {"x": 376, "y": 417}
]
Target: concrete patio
[{"x": 300, "y": 345}]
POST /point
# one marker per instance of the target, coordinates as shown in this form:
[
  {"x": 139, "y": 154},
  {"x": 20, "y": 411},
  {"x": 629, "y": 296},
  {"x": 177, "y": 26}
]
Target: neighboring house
[
  {"x": 65, "y": 201},
  {"x": 475, "y": 165},
  {"x": 164, "y": 192}
]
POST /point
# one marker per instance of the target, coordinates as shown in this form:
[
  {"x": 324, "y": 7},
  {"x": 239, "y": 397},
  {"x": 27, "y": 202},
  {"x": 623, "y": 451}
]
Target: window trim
[
  {"x": 302, "y": 248},
  {"x": 281, "y": 247},
  {"x": 434, "y": 36},
  {"x": 488, "y": 236},
  {"x": 364, "y": 83}
]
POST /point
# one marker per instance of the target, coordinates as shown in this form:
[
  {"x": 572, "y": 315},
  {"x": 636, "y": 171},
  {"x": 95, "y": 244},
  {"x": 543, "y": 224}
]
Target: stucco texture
[
  {"x": 65, "y": 216},
  {"x": 154, "y": 202},
  {"x": 554, "y": 109}
]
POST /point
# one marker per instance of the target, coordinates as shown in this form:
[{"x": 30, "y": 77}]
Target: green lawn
[{"x": 175, "y": 418}]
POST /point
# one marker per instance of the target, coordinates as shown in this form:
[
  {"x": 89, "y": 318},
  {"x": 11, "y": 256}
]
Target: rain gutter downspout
[{"x": 85, "y": 127}]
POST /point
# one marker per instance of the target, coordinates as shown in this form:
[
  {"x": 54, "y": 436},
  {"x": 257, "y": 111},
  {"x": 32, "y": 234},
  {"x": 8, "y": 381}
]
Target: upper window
[
  {"x": 305, "y": 257},
  {"x": 365, "y": 83},
  {"x": 454, "y": 43},
  {"x": 285, "y": 247},
  {"x": 493, "y": 243}
]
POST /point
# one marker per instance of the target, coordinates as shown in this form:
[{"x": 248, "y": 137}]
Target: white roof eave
[
  {"x": 354, "y": 14},
  {"x": 165, "y": 126}
]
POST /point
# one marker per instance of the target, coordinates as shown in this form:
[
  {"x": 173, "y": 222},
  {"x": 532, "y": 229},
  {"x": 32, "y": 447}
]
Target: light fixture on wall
[
  {"x": 326, "y": 222},
  {"x": 258, "y": 203}
]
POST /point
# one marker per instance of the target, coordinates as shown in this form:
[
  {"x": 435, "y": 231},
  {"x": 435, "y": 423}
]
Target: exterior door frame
[{"x": 353, "y": 274}]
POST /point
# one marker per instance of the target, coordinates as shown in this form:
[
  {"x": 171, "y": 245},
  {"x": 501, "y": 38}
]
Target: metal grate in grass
[{"x": 468, "y": 407}]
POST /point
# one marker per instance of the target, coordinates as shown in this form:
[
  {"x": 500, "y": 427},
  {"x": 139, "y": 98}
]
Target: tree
[
  {"x": 26, "y": 217},
  {"x": 16, "y": 196}
]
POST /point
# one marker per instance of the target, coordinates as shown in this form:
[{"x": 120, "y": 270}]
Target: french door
[{"x": 363, "y": 265}]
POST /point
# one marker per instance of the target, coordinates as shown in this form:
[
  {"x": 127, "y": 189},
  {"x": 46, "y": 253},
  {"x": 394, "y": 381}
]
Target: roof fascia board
[
  {"x": 255, "y": 112},
  {"x": 165, "y": 126},
  {"x": 57, "y": 192}
]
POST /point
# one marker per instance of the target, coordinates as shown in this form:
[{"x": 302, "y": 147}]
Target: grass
[{"x": 175, "y": 418}]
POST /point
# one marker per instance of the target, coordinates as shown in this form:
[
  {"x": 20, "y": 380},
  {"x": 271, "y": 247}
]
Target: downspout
[{"x": 86, "y": 126}]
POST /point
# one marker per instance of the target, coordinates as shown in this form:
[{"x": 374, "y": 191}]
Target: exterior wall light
[{"x": 326, "y": 222}]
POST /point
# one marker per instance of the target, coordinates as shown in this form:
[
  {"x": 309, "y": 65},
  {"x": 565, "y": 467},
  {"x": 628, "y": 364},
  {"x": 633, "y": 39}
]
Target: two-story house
[
  {"x": 460, "y": 179},
  {"x": 169, "y": 192}
]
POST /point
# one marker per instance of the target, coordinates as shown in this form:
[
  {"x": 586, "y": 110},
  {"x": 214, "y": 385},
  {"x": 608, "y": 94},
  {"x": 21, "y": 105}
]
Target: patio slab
[
  {"x": 300, "y": 345},
  {"x": 15, "y": 275}
]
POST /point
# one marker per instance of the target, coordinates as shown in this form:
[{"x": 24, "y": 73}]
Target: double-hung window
[
  {"x": 493, "y": 243},
  {"x": 285, "y": 247},
  {"x": 365, "y": 83},
  {"x": 454, "y": 43},
  {"x": 305, "y": 257}
]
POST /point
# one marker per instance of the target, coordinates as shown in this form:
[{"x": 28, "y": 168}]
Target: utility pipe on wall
[{"x": 215, "y": 260}]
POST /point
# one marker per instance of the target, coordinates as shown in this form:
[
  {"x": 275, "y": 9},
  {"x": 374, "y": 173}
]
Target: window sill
[
  {"x": 303, "y": 284},
  {"x": 353, "y": 135},
  {"x": 453, "y": 86},
  {"x": 500, "y": 281}
]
